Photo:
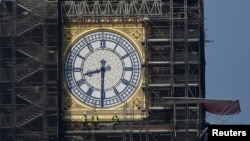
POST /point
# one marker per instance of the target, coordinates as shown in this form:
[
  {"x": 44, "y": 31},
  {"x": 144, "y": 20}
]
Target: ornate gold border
[
  {"x": 73, "y": 33},
  {"x": 129, "y": 38}
]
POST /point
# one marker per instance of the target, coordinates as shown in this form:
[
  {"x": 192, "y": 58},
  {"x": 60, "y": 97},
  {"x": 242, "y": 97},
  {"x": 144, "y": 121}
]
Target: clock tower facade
[
  {"x": 103, "y": 70},
  {"x": 141, "y": 59}
]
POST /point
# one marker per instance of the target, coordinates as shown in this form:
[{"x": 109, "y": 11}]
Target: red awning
[{"x": 223, "y": 107}]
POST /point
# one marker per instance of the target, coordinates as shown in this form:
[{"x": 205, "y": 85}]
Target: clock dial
[{"x": 102, "y": 69}]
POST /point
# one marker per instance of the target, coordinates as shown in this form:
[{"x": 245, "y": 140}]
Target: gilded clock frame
[{"x": 133, "y": 32}]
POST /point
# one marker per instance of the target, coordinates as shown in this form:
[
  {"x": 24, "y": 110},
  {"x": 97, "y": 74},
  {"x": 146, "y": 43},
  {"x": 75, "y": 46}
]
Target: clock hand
[
  {"x": 89, "y": 73},
  {"x": 103, "y": 62},
  {"x": 103, "y": 69}
]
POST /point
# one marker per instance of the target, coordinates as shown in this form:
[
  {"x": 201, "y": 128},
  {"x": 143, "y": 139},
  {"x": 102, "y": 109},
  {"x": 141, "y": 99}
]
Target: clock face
[{"x": 102, "y": 69}]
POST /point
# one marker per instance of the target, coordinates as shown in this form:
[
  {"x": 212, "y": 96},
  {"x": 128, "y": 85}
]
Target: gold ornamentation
[
  {"x": 137, "y": 102},
  {"x": 68, "y": 35},
  {"x": 136, "y": 34},
  {"x": 68, "y": 102}
]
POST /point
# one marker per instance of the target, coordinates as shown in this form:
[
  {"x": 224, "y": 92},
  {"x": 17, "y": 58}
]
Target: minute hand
[{"x": 103, "y": 62}]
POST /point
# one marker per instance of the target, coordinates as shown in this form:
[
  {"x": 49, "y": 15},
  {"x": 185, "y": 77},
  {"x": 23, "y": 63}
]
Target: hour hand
[{"x": 89, "y": 73}]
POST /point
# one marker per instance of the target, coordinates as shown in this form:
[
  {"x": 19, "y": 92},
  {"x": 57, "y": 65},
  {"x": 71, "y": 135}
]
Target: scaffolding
[
  {"x": 29, "y": 69},
  {"x": 174, "y": 65}
]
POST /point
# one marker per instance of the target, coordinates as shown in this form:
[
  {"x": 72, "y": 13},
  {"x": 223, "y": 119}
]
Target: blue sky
[{"x": 227, "y": 24}]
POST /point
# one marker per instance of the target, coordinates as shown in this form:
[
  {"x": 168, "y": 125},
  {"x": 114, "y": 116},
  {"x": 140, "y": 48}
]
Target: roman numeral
[
  {"x": 90, "y": 47},
  {"x": 80, "y": 82},
  {"x": 90, "y": 91},
  {"x": 116, "y": 91},
  {"x": 124, "y": 81},
  {"x": 128, "y": 68},
  {"x": 117, "y": 43},
  {"x": 123, "y": 57},
  {"x": 103, "y": 43},
  {"x": 83, "y": 58},
  {"x": 77, "y": 69}
]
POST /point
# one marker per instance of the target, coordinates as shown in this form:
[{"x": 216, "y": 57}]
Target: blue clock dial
[{"x": 102, "y": 69}]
